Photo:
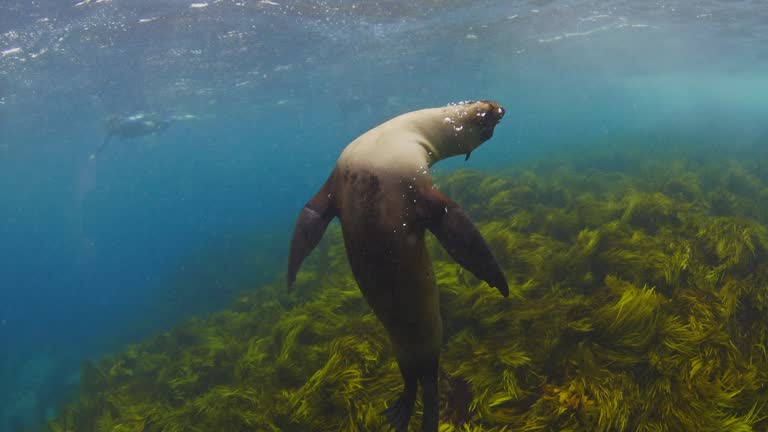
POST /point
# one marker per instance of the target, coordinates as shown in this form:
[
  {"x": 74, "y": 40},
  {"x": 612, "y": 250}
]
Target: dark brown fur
[
  {"x": 384, "y": 239},
  {"x": 382, "y": 192}
]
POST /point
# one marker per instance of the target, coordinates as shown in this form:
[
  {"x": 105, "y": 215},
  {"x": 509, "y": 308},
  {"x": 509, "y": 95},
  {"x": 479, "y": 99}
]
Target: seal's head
[
  {"x": 473, "y": 123},
  {"x": 487, "y": 115}
]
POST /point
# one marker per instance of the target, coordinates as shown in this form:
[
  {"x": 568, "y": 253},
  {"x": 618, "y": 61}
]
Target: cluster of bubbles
[{"x": 460, "y": 114}]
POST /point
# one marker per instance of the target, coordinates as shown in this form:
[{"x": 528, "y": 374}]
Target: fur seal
[
  {"x": 382, "y": 192},
  {"x": 134, "y": 126}
]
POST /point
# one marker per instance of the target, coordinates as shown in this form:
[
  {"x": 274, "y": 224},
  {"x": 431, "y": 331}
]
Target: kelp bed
[{"x": 639, "y": 303}]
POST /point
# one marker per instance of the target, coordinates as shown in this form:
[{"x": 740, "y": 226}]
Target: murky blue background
[{"x": 264, "y": 95}]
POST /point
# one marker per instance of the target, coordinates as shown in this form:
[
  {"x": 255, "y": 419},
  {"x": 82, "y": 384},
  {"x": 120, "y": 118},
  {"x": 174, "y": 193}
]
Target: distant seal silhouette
[
  {"x": 134, "y": 126},
  {"x": 382, "y": 192}
]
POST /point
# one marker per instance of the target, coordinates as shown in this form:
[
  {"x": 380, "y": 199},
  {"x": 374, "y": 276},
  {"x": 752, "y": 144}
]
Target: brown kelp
[{"x": 639, "y": 303}]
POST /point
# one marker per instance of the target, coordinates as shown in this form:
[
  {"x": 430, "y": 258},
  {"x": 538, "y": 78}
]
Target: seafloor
[{"x": 639, "y": 303}]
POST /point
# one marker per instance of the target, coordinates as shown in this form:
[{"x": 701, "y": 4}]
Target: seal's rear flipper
[
  {"x": 99, "y": 149},
  {"x": 428, "y": 380},
  {"x": 462, "y": 240},
  {"x": 399, "y": 413},
  {"x": 309, "y": 229}
]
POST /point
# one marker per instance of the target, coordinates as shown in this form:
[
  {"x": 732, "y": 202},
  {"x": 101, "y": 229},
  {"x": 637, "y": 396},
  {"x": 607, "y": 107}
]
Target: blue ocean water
[{"x": 263, "y": 95}]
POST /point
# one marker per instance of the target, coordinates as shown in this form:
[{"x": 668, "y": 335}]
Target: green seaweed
[{"x": 639, "y": 302}]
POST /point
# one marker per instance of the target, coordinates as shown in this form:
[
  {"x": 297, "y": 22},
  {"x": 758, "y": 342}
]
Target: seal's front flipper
[
  {"x": 309, "y": 229},
  {"x": 399, "y": 413},
  {"x": 459, "y": 236}
]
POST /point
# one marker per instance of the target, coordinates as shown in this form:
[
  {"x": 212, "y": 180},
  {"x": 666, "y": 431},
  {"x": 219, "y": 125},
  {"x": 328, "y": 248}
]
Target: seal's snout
[
  {"x": 496, "y": 111},
  {"x": 490, "y": 113}
]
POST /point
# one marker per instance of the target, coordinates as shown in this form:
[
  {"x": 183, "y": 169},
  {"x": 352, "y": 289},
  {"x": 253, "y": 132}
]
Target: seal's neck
[{"x": 445, "y": 132}]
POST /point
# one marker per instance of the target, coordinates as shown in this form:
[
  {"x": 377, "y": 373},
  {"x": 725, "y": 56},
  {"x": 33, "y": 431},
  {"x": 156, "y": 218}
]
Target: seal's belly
[
  {"x": 384, "y": 241},
  {"x": 397, "y": 280}
]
